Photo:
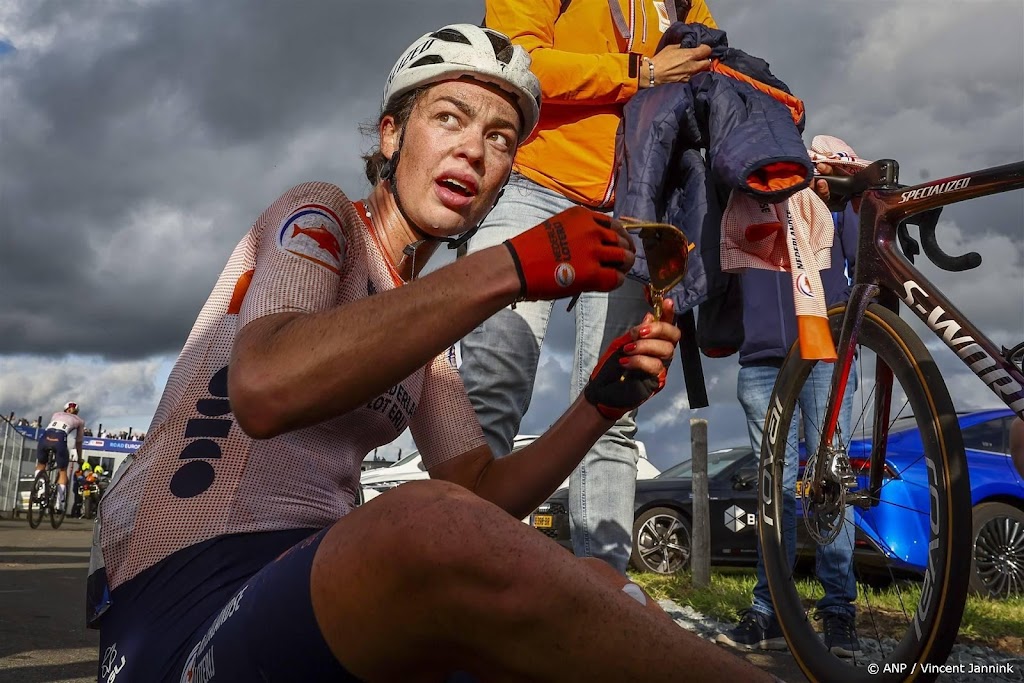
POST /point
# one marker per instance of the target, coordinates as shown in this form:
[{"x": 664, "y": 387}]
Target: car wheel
[
  {"x": 997, "y": 562},
  {"x": 661, "y": 541}
]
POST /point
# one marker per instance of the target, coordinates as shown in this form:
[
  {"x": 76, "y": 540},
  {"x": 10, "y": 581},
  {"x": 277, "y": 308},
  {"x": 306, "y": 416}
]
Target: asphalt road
[{"x": 43, "y": 638}]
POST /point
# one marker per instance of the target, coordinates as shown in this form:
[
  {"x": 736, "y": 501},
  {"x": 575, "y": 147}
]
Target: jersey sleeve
[
  {"x": 445, "y": 425},
  {"x": 300, "y": 254}
]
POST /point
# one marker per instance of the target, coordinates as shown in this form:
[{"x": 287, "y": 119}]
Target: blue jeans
[
  {"x": 499, "y": 367},
  {"x": 834, "y": 562}
]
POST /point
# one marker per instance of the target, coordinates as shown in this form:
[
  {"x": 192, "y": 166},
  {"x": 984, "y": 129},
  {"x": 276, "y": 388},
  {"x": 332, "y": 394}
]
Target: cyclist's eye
[
  {"x": 501, "y": 139},
  {"x": 447, "y": 118}
]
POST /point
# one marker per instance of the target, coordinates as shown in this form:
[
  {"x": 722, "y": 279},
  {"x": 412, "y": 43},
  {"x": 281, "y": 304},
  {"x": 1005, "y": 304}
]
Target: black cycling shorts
[{"x": 232, "y": 609}]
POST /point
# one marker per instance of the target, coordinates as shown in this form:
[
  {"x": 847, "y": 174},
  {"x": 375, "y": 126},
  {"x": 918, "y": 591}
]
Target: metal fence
[{"x": 17, "y": 461}]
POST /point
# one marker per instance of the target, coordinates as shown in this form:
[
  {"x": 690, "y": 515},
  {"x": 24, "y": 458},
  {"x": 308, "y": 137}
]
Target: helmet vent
[
  {"x": 429, "y": 59},
  {"x": 451, "y": 35},
  {"x": 503, "y": 49}
]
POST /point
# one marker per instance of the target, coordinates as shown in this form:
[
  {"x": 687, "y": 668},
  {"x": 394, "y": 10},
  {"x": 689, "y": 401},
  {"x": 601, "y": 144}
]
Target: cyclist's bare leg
[{"x": 428, "y": 579}]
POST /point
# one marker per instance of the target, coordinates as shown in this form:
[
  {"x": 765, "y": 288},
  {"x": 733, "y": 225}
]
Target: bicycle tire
[
  {"x": 931, "y": 627},
  {"x": 57, "y": 511},
  {"x": 36, "y": 502}
]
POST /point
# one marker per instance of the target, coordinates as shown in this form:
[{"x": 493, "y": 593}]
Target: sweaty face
[{"x": 458, "y": 149}]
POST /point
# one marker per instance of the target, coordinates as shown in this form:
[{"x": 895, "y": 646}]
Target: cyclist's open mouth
[{"x": 455, "y": 192}]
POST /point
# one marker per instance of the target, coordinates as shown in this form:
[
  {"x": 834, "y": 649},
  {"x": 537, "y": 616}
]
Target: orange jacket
[{"x": 588, "y": 69}]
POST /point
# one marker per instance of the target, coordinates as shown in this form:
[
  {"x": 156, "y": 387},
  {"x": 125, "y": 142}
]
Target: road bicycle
[
  {"x": 44, "y": 496},
  {"x": 896, "y": 378}
]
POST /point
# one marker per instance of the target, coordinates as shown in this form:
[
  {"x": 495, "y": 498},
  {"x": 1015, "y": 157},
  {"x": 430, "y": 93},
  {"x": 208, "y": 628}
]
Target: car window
[
  {"x": 988, "y": 436},
  {"x": 406, "y": 459},
  {"x": 717, "y": 462}
]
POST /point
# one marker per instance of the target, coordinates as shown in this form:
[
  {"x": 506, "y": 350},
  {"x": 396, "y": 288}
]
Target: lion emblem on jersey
[{"x": 313, "y": 232}]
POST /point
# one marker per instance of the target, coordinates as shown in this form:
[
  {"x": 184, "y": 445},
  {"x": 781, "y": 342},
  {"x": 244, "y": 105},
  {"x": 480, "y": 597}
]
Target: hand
[
  {"x": 821, "y": 187},
  {"x": 635, "y": 365},
  {"x": 577, "y": 250},
  {"x": 676, "y": 64}
]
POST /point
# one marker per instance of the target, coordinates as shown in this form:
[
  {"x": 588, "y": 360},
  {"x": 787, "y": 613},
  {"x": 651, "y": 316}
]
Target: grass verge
[{"x": 990, "y": 622}]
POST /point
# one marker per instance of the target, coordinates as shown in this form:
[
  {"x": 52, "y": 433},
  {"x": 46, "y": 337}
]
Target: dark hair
[{"x": 401, "y": 110}]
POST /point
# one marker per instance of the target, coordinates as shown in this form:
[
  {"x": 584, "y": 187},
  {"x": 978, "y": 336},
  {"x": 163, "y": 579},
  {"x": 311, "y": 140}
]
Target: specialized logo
[
  {"x": 803, "y": 285},
  {"x": 737, "y": 519},
  {"x": 565, "y": 274},
  {"x": 931, "y": 190},
  {"x": 110, "y": 666},
  {"x": 314, "y": 233}
]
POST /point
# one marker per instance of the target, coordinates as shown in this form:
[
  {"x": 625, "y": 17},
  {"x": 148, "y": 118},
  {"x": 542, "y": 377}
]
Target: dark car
[
  {"x": 891, "y": 537},
  {"x": 661, "y": 529}
]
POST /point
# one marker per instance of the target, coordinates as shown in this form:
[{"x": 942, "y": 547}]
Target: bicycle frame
[{"x": 885, "y": 274}]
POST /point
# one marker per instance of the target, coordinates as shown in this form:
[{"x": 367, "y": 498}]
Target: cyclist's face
[{"x": 457, "y": 152}]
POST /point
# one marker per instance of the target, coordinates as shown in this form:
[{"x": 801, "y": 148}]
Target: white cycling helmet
[
  {"x": 69, "y": 406},
  {"x": 478, "y": 53}
]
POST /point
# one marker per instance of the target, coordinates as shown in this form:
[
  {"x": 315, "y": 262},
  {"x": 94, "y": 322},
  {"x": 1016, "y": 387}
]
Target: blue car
[
  {"x": 896, "y": 529},
  {"x": 891, "y": 538}
]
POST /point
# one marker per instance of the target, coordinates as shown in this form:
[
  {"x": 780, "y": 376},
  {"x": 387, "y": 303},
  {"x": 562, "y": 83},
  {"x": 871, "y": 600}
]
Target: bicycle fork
[{"x": 825, "y": 467}]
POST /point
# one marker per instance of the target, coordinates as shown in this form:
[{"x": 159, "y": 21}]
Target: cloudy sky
[{"x": 140, "y": 139}]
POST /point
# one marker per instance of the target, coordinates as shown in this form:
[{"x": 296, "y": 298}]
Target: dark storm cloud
[
  {"x": 133, "y": 116},
  {"x": 139, "y": 141}
]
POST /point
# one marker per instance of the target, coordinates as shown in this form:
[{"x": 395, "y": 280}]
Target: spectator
[
  {"x": 770, "y": 327},
  {"x": 76, "y": 487},
  {"x": 590, "y": 63}
]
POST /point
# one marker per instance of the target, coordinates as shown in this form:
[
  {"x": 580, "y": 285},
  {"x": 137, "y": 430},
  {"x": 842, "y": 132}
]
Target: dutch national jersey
[
  {"x": 67, "y": 423},
  {"x": 198, "y": 475}
]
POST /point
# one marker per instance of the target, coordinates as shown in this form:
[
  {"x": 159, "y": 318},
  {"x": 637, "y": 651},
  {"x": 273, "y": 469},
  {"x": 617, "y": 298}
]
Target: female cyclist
[{"x": 319, "y": 343}]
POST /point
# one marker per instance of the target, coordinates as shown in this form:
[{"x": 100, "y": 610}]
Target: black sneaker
[
  {"x": 756, "y": 631},
  {"x": 840, "y": 633}
]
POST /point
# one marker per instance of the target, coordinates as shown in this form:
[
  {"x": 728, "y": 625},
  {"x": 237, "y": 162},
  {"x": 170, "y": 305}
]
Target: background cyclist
[
  {"x": 55, "y": 437},
  {"x": 334, "y": 347}
]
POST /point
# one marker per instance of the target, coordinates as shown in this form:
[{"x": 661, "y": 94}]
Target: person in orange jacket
[{"x": 591, "y": 57}]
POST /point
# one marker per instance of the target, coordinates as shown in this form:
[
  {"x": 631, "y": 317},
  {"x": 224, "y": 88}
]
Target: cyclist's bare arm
[
  {"x": 292, "y": 370},
  {"x": 521, "y": 481}
]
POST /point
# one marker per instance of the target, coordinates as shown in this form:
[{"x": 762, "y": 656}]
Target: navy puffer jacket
[{"x": 662, "y": 175}]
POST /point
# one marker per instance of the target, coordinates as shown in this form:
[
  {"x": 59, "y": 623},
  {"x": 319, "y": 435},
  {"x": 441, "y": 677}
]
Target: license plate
[{"x": 543, "y": 521}]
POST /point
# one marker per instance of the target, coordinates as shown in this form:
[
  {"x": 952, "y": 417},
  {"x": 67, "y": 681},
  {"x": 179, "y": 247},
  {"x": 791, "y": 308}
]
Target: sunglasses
[{"x": 667, "y": 251}]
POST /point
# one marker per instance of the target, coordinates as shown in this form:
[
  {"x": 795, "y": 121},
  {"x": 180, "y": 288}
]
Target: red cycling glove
[
  {"x": 614, "y": 390},
  {"x": 573, "y": 251}
]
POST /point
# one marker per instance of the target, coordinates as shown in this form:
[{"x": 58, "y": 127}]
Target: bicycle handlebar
[{"x": 884, "y": 174}]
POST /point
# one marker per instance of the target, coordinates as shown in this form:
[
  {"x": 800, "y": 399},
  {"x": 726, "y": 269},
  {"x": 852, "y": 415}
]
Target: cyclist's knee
[{"x": 452, "y": 532}]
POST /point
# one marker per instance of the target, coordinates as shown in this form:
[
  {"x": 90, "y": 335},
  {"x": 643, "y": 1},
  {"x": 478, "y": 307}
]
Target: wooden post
[{"x": 700, "y": 554}]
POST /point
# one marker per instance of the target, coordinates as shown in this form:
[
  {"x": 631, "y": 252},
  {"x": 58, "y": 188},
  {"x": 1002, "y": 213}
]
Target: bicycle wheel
[
  {"x": 37, "y": 500},
  {"x": 58, "y": 508},
  {"x": 914, "y": 622}
]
